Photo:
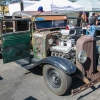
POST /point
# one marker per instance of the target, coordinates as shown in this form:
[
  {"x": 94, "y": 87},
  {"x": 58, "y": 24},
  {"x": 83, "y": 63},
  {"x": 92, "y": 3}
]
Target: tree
[{"x": 4, "y": 3}]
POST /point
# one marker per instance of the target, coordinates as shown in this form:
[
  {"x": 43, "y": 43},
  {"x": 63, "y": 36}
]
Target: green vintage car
[{"x": 60, "y": 52}]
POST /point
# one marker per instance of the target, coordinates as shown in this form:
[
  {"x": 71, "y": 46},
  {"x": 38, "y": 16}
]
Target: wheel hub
[{"x": 54, "y": 78}]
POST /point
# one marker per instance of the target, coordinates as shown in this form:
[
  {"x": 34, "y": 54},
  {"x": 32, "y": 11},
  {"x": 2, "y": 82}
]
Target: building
[{"x": 6, "y": 9}]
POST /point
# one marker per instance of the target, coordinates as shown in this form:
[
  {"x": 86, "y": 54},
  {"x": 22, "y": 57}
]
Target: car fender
[{"x": 61, "y": 63}]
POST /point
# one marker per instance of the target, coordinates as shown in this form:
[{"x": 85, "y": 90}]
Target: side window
[
  {"x": 15, "y": 25},
  {"x": 22, "y": 25},
  {"x": 7, "y": 25}
]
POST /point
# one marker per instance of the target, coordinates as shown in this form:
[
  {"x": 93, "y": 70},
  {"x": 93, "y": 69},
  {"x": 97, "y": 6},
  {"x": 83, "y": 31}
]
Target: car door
[{"x": 16, "y": 39}]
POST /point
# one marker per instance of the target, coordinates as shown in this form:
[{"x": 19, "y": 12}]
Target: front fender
[{"x": 61, "y": 63}]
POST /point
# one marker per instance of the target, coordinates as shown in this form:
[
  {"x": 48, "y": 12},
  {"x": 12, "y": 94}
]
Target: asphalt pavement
[{"x": 17, "y": 83}]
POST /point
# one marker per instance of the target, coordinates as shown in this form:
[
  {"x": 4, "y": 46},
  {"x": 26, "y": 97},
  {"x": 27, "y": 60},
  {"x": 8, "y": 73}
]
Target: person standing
[
  {"x": 40, "y": 9},
  {"x": 84, "y": 19},
  {"x": 79, "y": 20},
  {"x": 93, "y": 23},
  {"x": 96, "y": 15}
]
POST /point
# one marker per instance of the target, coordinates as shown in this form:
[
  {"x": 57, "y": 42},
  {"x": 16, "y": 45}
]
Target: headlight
[{"x": 82, "y": 56}]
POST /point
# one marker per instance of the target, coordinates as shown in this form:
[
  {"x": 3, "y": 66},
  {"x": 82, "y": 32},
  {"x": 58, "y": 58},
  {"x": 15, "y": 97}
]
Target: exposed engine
[{"x": 64, "y": 46}]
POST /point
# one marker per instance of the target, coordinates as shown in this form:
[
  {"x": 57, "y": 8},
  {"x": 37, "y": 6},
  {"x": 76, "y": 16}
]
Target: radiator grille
[
  {"x": 89, "y": 45},
  {"x": 90, "y": 64}
]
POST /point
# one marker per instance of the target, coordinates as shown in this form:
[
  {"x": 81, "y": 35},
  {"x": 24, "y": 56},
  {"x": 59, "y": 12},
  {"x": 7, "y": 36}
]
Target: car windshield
[{"x": 50, "y": 24}]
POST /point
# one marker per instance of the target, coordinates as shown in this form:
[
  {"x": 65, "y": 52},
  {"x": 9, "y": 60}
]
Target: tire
[
  {"x": 0, "y": 55},
  {"x": 56, "y": 80}
]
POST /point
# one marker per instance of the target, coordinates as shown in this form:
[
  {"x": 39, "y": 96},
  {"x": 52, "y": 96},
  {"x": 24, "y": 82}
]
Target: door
[{"x": 16, "y": 39}]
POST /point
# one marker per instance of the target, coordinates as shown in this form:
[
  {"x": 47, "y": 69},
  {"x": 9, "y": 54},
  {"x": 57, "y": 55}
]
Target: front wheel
[{"x": 56, "y": 80}]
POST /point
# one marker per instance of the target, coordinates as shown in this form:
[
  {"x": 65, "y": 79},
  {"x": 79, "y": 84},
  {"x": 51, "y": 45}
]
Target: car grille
[{"x": 88, "y": 44}]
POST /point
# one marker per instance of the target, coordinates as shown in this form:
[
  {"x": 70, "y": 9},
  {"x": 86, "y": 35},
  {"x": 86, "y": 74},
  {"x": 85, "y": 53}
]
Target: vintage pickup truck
[{"x": 61, "y": 53}]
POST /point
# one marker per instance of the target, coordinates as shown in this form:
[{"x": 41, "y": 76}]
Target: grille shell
[{"x": 88, "y": 44}]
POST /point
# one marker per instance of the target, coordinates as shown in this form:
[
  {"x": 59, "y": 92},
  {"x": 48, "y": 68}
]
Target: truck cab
[{"x": 33, "y": 27}]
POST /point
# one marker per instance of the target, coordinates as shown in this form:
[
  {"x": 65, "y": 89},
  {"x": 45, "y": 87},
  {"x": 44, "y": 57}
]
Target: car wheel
[
  {"x": 0, "y": 55},
  {"x": 56, "y": 80}
]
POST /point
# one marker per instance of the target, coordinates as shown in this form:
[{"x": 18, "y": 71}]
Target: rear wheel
[
  {"x": 0, "y": 49},
  {"x": 56, "y": 80},
  {"x": 0, "y": 54}
]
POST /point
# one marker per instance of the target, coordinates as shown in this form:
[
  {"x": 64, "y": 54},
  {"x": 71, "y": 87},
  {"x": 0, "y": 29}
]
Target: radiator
[{"x": 88, "y": 44}]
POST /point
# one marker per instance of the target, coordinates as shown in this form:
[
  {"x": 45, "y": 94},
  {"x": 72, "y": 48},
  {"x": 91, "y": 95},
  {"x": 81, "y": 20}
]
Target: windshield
[{"x": 51, "y": 24}]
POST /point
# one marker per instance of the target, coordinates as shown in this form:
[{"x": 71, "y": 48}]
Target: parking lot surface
[{"x": 17, "y": 83}]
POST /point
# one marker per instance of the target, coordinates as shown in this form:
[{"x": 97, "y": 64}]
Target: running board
[{"x": 25, "y": 63}]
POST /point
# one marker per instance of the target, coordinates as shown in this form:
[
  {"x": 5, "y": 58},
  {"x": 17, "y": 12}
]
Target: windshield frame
[{"x": 51, "y": 27}]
